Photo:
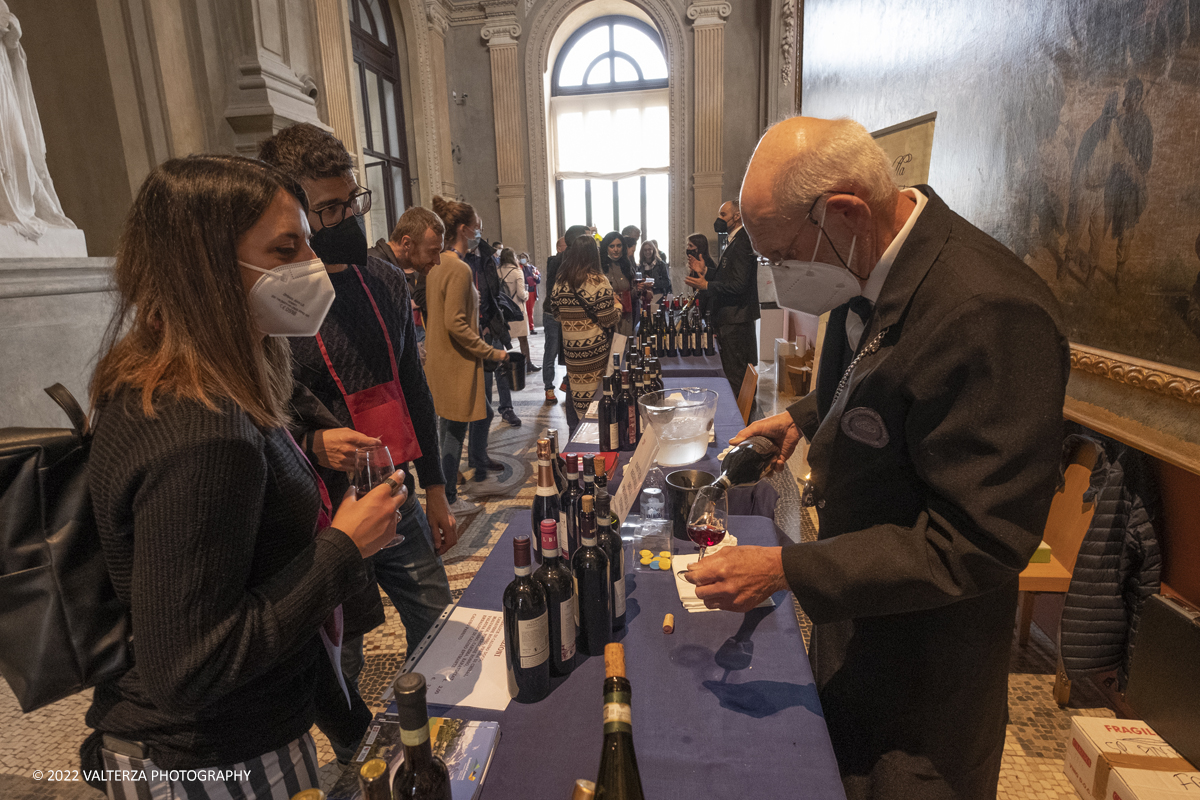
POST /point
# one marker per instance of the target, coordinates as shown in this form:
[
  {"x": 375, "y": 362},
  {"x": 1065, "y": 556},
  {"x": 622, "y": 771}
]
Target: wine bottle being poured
[{"x": 747, "y": 463}]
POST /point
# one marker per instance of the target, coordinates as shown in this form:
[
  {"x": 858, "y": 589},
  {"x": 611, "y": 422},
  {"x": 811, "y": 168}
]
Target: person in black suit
[
  {"x": 935, "y": 432},
  {"x": 731, "y": 292}
]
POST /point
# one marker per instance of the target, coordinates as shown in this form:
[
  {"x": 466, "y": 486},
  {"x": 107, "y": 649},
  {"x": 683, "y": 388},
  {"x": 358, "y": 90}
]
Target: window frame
[
  {"x": 612, "y": 54},
  {"x": 376, "y": 61}
]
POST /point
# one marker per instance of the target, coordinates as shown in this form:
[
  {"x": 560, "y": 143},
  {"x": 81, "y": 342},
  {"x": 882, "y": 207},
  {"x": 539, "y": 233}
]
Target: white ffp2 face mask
[
  {"x": 815, "y": 287},
  {"x": 291, "y": 300}
]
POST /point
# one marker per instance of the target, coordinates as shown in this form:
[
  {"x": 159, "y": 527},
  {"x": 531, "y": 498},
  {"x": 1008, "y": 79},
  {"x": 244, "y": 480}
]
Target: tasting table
[
  {"x": 725, "y": 707},
  {"x": 759, "y": 499},
  {"x": 700, "y": 366}
]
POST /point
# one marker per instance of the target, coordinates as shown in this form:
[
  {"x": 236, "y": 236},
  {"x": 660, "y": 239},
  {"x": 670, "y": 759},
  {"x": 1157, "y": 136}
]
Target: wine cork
[
  {"x": 669, "y": 623},
  {"x": 614, "y": 660},
  {"x": 584, "y": 790},
  {"x": 586, "y": 502}
]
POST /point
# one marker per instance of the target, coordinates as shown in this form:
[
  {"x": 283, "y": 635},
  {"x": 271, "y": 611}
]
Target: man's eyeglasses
[{"x": 333, "y": 214}]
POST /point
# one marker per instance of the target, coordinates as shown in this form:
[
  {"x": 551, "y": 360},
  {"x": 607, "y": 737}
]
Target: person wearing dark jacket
[
  {"x": 654, "y": 268},
  {"x": 366, "y": 350},
  {"x": 730, "y": 295},
  {"x": 485, "y": 263},
  {"x": 214, "y": 526},
  {"x": 934, "y": 431}
]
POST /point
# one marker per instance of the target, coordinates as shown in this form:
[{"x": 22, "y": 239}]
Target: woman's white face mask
[{"x": 291, "y": 300}]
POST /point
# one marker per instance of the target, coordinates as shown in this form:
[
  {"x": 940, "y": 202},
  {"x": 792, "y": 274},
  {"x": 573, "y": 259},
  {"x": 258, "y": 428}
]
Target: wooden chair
[
  {"x": 1069, "y": 520},
  {"x": 747, "y": 393}
]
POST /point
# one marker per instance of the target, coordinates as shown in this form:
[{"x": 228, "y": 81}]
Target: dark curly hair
[{"x": 306, "y": 152}]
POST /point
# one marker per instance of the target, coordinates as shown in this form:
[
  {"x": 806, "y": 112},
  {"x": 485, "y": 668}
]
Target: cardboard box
[{"x": 1102, "y": 753}]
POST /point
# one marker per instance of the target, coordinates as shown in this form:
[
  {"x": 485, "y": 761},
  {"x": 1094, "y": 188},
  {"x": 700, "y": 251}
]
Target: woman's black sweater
[{"x": 208, "y": 525}]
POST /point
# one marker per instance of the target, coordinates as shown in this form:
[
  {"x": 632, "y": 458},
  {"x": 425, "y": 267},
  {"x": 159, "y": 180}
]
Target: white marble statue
[{"x": 28, "y": 203}]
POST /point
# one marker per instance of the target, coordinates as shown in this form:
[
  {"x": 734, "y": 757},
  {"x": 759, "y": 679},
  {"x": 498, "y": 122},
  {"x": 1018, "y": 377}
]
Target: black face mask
[
  {"x": 344, "y": 243},
  {"x": 720, "y": 226}
]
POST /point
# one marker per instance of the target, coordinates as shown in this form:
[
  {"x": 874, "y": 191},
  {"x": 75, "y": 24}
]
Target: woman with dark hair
[
  {"x": 584, "y": 303},
  {"x": 456, "y": 350},
  {"x": 654, "y": 268},
  {"x": 697, "y": 253},
  {"x": 213, "y": 524},
  {"x": 617, "y": 265}
]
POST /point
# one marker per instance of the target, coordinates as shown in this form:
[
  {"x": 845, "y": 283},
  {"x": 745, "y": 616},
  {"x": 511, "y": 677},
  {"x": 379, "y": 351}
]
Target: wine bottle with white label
[
  {"x": 546, "y": 502},
  {"x": 526, "y": 630},
  {"x": 593, "y": 585},
  {"x": 610, "y": 542},
  {"x": 619, "y": 778},
  {"x": 607, "y": 414},
  {"x": 422, "y": 774},
  {"x": 556, "y": 579}
]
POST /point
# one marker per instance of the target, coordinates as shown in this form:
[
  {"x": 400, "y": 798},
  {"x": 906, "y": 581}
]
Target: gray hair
[
  {"x": 413, "y": 224},
  {"x": 847, "y": 158}
]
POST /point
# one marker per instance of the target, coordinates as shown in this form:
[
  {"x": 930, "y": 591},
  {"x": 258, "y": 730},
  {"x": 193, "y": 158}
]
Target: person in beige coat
[{"x": 456, "y": 351}]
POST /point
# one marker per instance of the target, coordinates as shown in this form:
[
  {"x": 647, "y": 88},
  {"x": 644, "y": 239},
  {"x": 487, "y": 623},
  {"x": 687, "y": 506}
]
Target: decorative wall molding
[
  {"x": 546, "y": 22},
  {"x": 787, "y": 41},
  {"x": 1151, "y": 376},
  {"x": 704, "y": 14},
  {"x": 39, "y": 277},
  {"x": 439, "y": 18}
]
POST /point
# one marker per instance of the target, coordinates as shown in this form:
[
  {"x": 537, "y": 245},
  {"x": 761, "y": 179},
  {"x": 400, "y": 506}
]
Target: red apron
[{"x": 381, "y": 410}]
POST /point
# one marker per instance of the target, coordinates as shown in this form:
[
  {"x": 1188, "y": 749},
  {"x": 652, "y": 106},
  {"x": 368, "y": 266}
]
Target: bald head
[{"x": 801, "y": 159}]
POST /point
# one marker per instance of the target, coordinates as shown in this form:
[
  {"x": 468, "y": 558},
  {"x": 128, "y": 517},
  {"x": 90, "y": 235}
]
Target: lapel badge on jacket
[{"x": 864, "y": 425}]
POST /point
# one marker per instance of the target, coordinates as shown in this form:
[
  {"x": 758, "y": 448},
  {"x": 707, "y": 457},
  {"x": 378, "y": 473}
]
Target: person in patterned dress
[{"x": 583, "y": 302}]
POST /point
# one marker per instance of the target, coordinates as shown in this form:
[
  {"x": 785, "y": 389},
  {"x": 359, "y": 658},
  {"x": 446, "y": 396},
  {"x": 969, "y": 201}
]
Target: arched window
[
  {"x": 381, "y": 129},
  {"x": 610, "y": 125}
]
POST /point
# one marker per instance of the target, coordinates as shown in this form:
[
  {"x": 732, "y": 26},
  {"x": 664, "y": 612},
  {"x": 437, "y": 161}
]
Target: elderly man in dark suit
[
  {"x": 731, "y": 292},
  {"x": 935, "y": 432}
]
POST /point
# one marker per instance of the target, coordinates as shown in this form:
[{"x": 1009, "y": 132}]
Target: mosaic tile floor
[{"x": 1032, "y": 768}]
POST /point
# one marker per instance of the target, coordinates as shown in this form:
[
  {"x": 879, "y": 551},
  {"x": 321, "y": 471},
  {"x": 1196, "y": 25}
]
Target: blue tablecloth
[
  {"x": 725, "y": 707},
  {"x": 691, "y": 366}
]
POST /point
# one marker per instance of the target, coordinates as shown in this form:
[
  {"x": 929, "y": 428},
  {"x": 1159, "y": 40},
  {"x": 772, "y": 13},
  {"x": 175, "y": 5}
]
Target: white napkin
[{"x": 687, "y": 590}]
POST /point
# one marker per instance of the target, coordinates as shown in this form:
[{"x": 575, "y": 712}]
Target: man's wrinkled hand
[
  {"x": 334, "y": 447},
  {"x": 738, "y": 578},
  {"x": 780, "y": 429}
]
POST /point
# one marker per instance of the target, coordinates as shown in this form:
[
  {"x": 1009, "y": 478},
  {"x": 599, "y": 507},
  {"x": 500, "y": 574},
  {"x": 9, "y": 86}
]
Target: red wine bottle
[
  {"x": 748, "y": 462},
  {"x": 589, "y": 473},
  {"x": 672, "y": 341},
  {"x": 422, "y": 774},
  {"x": 685, "y": 335},
  {"x": 569, "y": 503},
  {"x": 546, "y": 503},
  {"x": 618, "y": 778},
  {"x": 560, "y": 466},
  {"x": 655, "y": 382},
  {"x": 710, "y": 343},
  {"x": 609, "y": 437},
  {"x": 526, "y": 630},
  {"x": 609, "y": 540},
  {"x": 559, "y": 585},
  {"x": 373, "y": 780},
  {"x": 593, "y": 587},
  {"x": 626, "y": 413},
  {"x": 639, "y": 389}
]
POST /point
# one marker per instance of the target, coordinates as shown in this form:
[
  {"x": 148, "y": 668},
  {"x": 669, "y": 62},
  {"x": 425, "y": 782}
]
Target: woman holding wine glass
[{"x": 213, "y": 523}]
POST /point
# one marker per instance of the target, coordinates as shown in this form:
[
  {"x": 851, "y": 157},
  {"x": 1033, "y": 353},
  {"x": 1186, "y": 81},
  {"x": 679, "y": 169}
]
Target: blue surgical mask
[{"x": 475, "y": 239}]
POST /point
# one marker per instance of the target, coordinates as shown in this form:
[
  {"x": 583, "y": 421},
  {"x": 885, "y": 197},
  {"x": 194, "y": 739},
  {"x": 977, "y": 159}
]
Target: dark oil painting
[{"x": 1067, "y": 129}]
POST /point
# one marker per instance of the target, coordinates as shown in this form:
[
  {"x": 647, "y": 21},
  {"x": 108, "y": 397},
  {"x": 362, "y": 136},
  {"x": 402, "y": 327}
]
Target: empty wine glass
[
  {"x": 708, "y": 519},
  {"x": 372, "y": 466}
]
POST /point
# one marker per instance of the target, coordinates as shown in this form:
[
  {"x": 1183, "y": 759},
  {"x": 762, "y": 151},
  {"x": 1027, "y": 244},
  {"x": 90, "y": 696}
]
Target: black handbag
[
  {"x": 62, "y": 626},
  {"x": 508, "y": 307}
]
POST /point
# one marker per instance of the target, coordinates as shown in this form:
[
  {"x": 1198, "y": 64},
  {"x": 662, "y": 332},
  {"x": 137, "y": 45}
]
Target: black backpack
[{"x": 62, "y": 626}]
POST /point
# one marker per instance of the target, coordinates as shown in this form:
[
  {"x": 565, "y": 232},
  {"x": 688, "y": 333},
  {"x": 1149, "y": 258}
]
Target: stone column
[
  {"x": 501, "y": 36},
  {"x": 341, "y": 92},
  {"x": 708, "y": 22},
  {"x": 439, "y": 22}
]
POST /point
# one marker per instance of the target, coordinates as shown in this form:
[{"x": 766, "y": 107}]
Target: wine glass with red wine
[
  {"x": 709, "y": 519},
  {"x": 372, "y": 466}
]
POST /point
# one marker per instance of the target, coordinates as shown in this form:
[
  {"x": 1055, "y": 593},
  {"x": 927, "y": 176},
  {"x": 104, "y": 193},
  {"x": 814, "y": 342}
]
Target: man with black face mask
[
  {"x": 363, "y": 369},
  {"x": 731, "y": 292}
]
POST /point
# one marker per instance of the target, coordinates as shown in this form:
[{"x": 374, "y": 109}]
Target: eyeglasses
[{"x": 334, "y": 213}]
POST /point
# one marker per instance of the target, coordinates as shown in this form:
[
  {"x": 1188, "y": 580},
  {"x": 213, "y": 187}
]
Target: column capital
[
  {"x": 709, "y": 13},
  {"x": 438, "y": 16},
  {"x": 501, "y": 31}
]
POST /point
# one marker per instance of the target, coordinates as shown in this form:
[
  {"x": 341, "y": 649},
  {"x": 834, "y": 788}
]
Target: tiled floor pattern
[{"x": 49, "y": 739}]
